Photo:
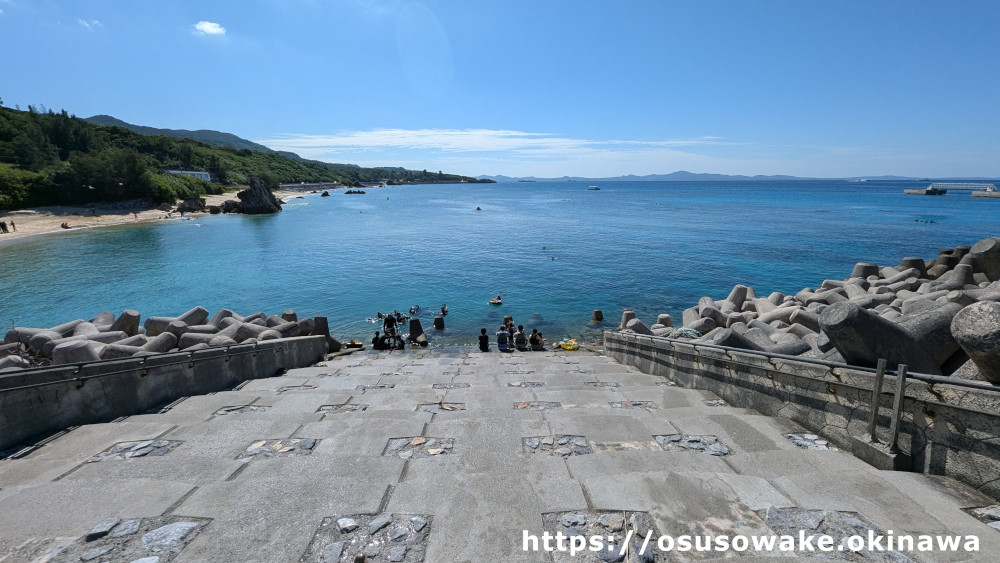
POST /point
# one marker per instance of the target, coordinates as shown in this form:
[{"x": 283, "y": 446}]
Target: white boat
[{"x": 593, "y": 188}]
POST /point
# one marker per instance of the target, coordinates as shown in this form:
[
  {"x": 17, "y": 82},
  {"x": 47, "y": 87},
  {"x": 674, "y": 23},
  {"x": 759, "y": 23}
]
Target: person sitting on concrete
[
  {"x": 520, "y": 339},
  {"x": 534, "y": 341},
  {"x": 484, "y": 341},
  {"x": 503, "y": 339},
  {"x": 541, "y": 343},
  {"x": 379, "y": 342}
]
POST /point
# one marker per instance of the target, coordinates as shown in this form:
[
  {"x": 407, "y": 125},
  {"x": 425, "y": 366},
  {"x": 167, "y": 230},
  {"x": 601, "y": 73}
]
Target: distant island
[
  {"x": 684, "y": 176},
  {"x": 55, "y": 158}
]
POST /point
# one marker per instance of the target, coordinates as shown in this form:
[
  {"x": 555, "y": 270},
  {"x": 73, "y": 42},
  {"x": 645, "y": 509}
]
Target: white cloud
[
  {"x": 208, "y": 28},
  {"x": 470, "y": 151},
  {"x": 90, "y": 25},
  {"x": 471, "y": 140}
]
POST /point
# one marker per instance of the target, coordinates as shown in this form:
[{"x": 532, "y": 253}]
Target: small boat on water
[
  {"x": 593, "y": 188},
  {"x": 498, "y": 300}
]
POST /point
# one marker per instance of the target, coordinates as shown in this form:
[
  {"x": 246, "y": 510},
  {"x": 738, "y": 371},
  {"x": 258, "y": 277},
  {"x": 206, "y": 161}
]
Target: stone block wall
[
  {"x": 38, "y": 401},
  {"x": 947, "y": 429}
]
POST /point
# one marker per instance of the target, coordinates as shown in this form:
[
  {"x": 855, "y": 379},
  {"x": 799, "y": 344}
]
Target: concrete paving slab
[
  {"x": 739, "y": 433},
  {"x": 502, "y": 398},
  {"x": 88, "y": 440},
  {"x": 275, "y": 383},
  {"x": 199, "y": 407},
  {"x": 942, "y": 499},
  {"x": 72, "y": 507},
  {"x": 878, "y": 501},
  {"x": 678, "y": 398},
  {"x": 360, "y": 434},
  {"x": 23, "y": 472},
  {"x": 271, "y": 511},
  {"x": 310, "y": 372},
  {"x": 755, "y": 492},
  {"x": 776, "y": 463},
  {"x": 197, "y": 469},
  {"x": 345, "y": 382},
  {"x": 604, "y": 425},
  {"x": 680, "y": 503},
  {"x": 494, "y": 435},
  {"x": 632, "y": 379},
  {"x": 297, "y": 404},
  {"x": 397, "y": 399},
  {"x": 610, "y": 464},
  {"x": 225, "y": 437},
  {"x": 480, "y": 517},
  {"x": 580, "y": 396}
]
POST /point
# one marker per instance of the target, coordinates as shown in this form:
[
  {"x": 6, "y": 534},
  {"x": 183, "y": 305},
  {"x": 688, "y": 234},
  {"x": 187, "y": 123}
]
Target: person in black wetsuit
[{"x": 484, "y": 341}]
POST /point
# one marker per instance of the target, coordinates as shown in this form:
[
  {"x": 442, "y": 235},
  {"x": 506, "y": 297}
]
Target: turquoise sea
[{"x": 555, "y": 250}]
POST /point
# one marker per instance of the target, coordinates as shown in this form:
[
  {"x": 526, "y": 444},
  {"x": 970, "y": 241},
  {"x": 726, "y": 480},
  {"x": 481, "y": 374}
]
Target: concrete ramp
[{"x": 457, "y": 455}]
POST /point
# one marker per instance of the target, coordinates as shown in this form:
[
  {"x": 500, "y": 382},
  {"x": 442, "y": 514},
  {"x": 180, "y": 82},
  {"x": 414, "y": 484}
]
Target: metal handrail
[{"x": 932, "y": 379}]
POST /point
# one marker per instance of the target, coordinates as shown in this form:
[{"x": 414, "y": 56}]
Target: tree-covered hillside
[
  {"x": 207, "y": 136},
  {"x": 49, "y": 158}
]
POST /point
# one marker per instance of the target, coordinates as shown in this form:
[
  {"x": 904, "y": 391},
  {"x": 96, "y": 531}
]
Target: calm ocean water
[{"x": 556, "y": 251}]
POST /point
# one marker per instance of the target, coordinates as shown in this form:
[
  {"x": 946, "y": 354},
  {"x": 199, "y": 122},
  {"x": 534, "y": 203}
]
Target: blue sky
[{"x": 544, "y": 88}]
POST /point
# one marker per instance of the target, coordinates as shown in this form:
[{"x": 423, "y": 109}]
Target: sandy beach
[{"x": 40, "y": 220}]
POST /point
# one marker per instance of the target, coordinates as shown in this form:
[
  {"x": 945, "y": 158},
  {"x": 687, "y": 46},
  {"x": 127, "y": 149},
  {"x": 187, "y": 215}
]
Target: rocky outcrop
[
  {"x": 932, "y": 315},
  {"x": 255, "y": 200},
  {"x": 192, "y": 205}
]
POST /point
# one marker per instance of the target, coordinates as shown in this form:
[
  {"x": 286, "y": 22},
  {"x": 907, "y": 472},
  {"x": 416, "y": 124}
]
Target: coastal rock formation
[
  {"x": 192, "y": 205},
  {"x": 107, "y": 337},
  {"x": 255, "y": 200},
  {"x": 258, "y": 198},
  {"x": 940, "y": 316}
]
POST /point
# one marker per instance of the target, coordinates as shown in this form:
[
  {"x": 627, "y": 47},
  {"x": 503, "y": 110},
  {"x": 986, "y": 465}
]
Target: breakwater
[
  {"x": 107, "y": 337},
  {"x": 938, "y": 317},
  {"x": 83, "y": 372},
  {"x": 897, "y": 364}
]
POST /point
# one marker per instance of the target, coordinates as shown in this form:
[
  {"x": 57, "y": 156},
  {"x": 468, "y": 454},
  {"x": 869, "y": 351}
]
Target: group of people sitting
[
  {"x": 387, "y": 341},
  {"x": 510, "y": 339}
]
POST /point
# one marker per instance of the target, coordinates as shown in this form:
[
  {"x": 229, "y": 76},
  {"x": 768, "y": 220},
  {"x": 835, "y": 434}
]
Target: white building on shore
[{"x": 196, "y": 173}]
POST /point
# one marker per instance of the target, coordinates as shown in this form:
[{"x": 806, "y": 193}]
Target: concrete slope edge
[
  {"x": 945, "y": 429},
  {"x": 39, "y": 401}
]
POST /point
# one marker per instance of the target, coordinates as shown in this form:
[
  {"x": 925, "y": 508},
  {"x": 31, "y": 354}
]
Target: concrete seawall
[
  {"x": 34, "y": 402},
  {"x": 946, "y": 429}
]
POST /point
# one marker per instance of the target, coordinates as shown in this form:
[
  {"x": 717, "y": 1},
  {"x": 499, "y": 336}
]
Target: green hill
[
  {"x": 207, "y": 136},
  {"x": 49, "y": 158}
]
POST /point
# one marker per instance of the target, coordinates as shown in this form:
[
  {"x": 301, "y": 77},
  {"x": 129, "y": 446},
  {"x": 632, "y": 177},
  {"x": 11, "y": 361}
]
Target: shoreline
[{"x": 34, "y": 221}]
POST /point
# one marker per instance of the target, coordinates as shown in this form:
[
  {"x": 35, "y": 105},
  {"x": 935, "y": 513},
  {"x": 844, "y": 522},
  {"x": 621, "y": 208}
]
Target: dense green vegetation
[
  {"x": 207, "y": 136},
  {"x": 49, "y": 158}
]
